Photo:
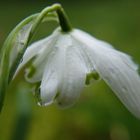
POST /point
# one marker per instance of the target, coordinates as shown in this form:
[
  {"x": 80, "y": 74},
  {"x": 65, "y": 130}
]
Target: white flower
[{"x": 63, "y": 61}]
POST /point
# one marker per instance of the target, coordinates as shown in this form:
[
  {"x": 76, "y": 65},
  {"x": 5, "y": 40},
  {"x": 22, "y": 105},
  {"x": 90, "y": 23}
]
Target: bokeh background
[{"x": 98, "y": 114}]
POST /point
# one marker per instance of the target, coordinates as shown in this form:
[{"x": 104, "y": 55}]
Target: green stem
[{"x": 63, "y": 19}]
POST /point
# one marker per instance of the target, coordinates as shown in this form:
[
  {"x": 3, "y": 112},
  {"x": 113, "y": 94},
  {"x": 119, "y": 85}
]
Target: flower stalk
[{"x": 63, "y": 19}]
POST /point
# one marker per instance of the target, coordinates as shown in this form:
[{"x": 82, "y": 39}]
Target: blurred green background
[{"x": 98, "y": 114}]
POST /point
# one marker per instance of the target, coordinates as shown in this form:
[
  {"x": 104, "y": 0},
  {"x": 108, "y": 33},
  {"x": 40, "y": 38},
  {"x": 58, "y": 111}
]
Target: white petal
[
  {"x": 49, "y": 87},
  {"x": 85, "y": 57},
  {"x": 121, "y": 75},
  {"x": 87, "y": 43},
  {"x": 116, "y": 68},
  {"x": 73, "y": 79},
  {"x": 41, "y": 50},
  {"x": 53, "y": 73},
  {"x": 128, "y": 60},
  {"x": 97, "y": 45},
  {"x": 33, "y": 50},
  {"x": 49, "y": 84}
]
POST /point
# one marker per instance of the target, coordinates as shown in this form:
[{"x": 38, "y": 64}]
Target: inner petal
[{"x": 73, "y": 81}]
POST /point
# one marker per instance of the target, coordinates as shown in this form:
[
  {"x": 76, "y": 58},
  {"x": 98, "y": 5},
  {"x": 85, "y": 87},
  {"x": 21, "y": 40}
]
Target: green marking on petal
[
  {"x": 31, "y": 72},
  {"x": 90, "y": 76},
  {"x": 37, "y": 93},
  {"x": 22, "y": 69},
  {"x": 57, "y": 94}
]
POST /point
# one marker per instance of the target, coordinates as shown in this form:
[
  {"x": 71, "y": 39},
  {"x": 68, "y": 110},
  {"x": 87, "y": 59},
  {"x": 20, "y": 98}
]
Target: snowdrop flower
[
  {"x": 65, "y": 62},
  {"x": 60, "y": 65}
]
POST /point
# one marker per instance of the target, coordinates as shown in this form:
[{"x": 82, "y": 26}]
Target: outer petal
[
  {"x": 73, "y": 79},
  {"x": 41, "y": 50},
  {"x": 49, "y": 87},
  {"x": 83, "y": 55},
  {"x": 53, "y": 72},
  {"x": 123, "y": 80},
  {"x": 116, "y": 68},
  {"x": 92, "y": 45},
  {"x": 49, "y": 84}
]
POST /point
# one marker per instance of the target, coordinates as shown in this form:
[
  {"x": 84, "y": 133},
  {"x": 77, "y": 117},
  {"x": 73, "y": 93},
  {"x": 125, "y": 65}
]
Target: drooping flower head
[
  {"x": 62, "y": 64},
  {"x": 65, "y": 60}
]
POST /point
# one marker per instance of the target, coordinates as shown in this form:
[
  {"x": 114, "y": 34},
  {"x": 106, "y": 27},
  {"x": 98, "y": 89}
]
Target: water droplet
[{"x": 39, "y": 103}]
